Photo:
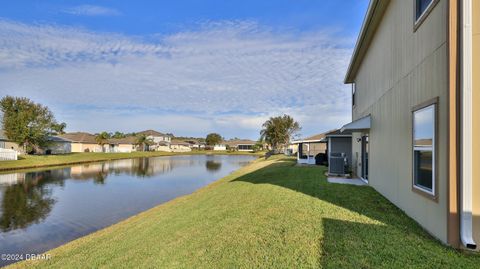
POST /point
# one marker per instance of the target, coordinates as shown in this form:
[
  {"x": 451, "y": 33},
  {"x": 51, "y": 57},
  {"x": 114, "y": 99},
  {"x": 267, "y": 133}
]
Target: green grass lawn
[
  {"x": 34, "y": 161},
  {"x": 270, "y": 214}
]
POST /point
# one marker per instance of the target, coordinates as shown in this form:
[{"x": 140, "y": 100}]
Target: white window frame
[
  {"x": 424, "y": 12},
  {"x": 354, "y": 91},
  {"x": 418, "y": 21},
  {"x": 431, "y": 148}
]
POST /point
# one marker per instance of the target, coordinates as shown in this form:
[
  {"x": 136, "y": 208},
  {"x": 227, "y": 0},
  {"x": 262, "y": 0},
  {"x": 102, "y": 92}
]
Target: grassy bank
[
  {"x": 35, "y": 161},
  {"x": 270, "y": 214}
]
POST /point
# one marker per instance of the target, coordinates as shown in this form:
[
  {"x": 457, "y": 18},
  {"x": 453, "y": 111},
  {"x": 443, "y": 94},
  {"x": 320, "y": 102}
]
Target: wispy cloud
[
  {"x": 229, "y": 76},
  {"x": 91, "y": 10}
]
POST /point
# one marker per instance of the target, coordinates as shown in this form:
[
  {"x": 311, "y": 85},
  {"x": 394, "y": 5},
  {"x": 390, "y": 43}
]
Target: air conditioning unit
[{"x": 338, "y": 163}]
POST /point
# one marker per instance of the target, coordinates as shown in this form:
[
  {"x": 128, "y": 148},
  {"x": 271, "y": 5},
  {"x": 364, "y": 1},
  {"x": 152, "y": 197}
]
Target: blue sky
[{"x": 187, "y": 67}]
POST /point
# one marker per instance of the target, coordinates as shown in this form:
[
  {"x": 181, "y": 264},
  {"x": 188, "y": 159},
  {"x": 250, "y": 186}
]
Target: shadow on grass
[
  {"x": 311, "y": 181},
  {"x": 398, "y": 239}
]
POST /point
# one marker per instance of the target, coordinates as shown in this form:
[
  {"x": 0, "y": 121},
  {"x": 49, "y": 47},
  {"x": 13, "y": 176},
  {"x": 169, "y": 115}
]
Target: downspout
[{"x": 466, "y": 218}]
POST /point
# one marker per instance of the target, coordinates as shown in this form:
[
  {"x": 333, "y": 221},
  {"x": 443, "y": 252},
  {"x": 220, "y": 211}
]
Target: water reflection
[
  {"x": 213, "y": 166},
  {"x": 41, "y": 210},
  {"x": 23, "y": 204},
  {"x": 27, "y": 198}
]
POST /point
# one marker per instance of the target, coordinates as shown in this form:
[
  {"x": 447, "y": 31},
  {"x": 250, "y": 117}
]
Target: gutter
[{"x": 466, "y": 230}]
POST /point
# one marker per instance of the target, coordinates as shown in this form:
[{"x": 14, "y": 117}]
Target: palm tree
[
  {"x": 143, "y": 141},
  {"x": 102, "y": 139},
  {"x": 278, "y": 131}
]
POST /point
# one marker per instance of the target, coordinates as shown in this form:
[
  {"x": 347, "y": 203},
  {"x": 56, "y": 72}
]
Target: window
[
  {"x": 245, "y": 147},
  {"x": 421, "y": 6},
  {"x": 354, "y": 89},
  {"x": 424, "y": 130}
]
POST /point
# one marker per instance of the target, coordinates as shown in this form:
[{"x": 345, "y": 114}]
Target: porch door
[{"x": 365, "y": 150}]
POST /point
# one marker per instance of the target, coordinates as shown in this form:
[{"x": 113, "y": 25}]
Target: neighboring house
[
  {"x": 82, "y": 142},
  {"x": 220, "y": 147},
  {"x": 163, "y": 146},
  {"x": 122, "y": 145},
  {"x": 57, "y": 145},
  {"x": 240, "y": 144},
  {"x": 158, "y": 138},
  {"x": 196, "y": 145},
  {"x": 415, "y": 75},
  {"x": 179, "y": 146},
  {"x": 5, "y": 143},
  {"x": 308, "y": 149}
]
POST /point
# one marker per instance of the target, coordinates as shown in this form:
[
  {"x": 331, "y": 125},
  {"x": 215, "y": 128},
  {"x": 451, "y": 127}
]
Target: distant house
[
  {"x": 82, "y": 142},
  {"x": 179, "y": 146},
  {"x": 308, "y": 148},
  {"x": 122, "y": 145},
  {"x": 196, "y": 145},
  {"x": 240, "y": 144},
  {"x": 220, "y": 147},
  {"x": 8, "y": 150},
  {"x": 163, "y": 146},
  {"x": 5, "y": 143},
  {"x": 159, "y": 139},
  {"x": 57, "y": 145}
]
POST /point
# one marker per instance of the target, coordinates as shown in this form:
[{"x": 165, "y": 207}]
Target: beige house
[
  {"x": 220, "y": 147},
  {"x": 82, "y": 142},
  {"x": 240, "y": 144},
  {"x": 179, "y": 146},
  {"x": 159, "y": 139},
  {"x": 415, "y": 75},
  {"x": 122, "y": 145},
  {"x": 5, "y": 143}
]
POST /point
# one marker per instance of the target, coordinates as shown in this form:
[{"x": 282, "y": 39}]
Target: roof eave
[{"x": 375, "y": 11}]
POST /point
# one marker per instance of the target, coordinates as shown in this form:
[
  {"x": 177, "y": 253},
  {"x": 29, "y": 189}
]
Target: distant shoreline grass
[
  {"x": 269, "y": 214},
  {"x": 39, "y": 161}
]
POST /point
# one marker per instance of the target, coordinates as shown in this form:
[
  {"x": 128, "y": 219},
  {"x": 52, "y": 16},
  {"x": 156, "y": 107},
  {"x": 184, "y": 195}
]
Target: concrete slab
[{"x": 351, "y": 181}]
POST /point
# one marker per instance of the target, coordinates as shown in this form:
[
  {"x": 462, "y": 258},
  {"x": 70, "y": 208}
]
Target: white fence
[{"x": 8, "y": 155}]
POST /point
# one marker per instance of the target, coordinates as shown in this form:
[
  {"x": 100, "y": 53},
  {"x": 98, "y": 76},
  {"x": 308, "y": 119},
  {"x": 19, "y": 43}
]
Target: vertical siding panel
[{"x": 401, "y": 69}]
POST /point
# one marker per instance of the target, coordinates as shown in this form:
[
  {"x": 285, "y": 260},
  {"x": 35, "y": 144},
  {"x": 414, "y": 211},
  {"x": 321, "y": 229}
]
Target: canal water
[{"x": 44, "y": 209}]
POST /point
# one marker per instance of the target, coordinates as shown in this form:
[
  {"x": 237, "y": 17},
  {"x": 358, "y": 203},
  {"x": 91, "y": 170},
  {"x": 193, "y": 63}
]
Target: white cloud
[
  {"x": 226, "y": 75},
  {"x": 91, "y": 10}
]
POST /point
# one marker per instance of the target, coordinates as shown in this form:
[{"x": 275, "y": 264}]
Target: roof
[
  {"x": 313, "y": 138},
  {"x": 374, "y": 15},
  {"x": 126, "y": 140},
  {"x": 151, "y": 133},
  {"x": 79, "y": 137},
  {"x": 236, "y": 142},
  {"x": 179, "y": 142},
  {"x": 58, "y": 139}
]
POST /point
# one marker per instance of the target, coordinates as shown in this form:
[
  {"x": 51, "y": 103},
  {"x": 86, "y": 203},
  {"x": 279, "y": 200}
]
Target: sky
[{"x": 182, "y": 67}]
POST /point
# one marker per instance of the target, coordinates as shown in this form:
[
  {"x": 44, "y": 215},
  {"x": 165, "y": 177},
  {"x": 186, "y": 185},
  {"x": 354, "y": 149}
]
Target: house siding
[
  {"x": 401, "y": 69},
  {"x": 81, "y": 147},
  {"x": 476, "y": 120}
]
